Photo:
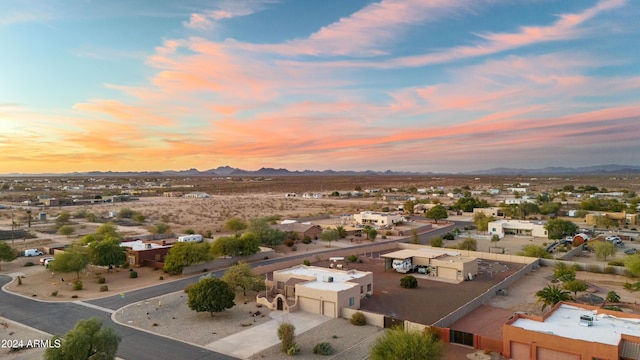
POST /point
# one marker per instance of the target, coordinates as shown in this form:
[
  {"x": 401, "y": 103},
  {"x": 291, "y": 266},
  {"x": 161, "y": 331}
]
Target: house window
[
  {"x": 352, "y": 301},
  {"x": 493, "y": 229},
  {"x": 368, "y": 287},
  {"x": 361, "y": 289}
]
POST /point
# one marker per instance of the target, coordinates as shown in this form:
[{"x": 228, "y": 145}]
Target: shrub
[
  {"x": 289, "y": 242},
  {"x": 161, "y": 277},
  {"x": 307, "y": 263},
  {"x": 77, "y": 285},
  {"x": 286, "y": 333},
  {"x": 133, "y": 274},
  {"x": 384, "y": 237},
  {"x": 358, "y": 319},
  {"x": 28, "y": 263},
  {"x": 609, "y": 270},
  {"x": 54, "y": 293},
  {"x": 577, "y": 267},
  {"x": 448, "y": 236},
  {"x": 595, "y": 269},
  {"x": 294, "y": 248},
  {"x": 306, "y": 239},
  {"x": 293, "y": 350},
  {"x": 323, "y": 348},
  {"x": 74, "y": 296},
  {"x": 409, "y": 282},
  {"x": 125, "y": 265},
  {"x": 434, "y": 332},
  {"x": 104, "y": 288},
  {"x": 352, "y": 258},
  {"x": 616, "y": 263},
  {"x": 19, "y": 280},
  {"x": 101, "y": 280}
]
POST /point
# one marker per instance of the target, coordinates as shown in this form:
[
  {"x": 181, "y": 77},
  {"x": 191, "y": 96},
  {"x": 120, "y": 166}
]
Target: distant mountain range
[
  {"x": 588, "y": 170},
  {"x": 269, "y": 172}
]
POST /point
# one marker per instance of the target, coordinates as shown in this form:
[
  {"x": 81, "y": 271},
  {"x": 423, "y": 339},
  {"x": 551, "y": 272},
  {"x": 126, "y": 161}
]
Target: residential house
[{"x": 317, "y": 290}]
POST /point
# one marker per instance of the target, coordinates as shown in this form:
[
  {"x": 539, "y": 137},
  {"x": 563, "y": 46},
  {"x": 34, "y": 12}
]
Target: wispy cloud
[
  {"x": 206, "y": 20},
  {"x": 368, "y": 31}
]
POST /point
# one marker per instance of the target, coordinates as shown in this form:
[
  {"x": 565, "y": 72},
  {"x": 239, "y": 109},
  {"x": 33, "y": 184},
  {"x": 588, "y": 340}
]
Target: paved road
[{"x": 58, "y": 318}]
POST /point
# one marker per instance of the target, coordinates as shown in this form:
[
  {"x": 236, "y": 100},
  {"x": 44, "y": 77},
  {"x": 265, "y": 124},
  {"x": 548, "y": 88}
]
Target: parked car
[
  {"x": 44, "y": 259},
  {"x": 631, "y": 251},
  {"x": 33, "y": 252},
  {"x": 613, "y": 238}
]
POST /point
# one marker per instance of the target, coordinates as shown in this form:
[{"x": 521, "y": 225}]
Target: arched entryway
[{"x": 279, "y": 304}]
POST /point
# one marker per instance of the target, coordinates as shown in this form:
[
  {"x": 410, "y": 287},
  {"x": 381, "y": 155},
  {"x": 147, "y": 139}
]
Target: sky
[{"x": 407, "y": 85}]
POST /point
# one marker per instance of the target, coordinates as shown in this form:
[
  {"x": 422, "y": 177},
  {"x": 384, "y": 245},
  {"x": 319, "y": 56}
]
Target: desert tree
[
  {"x": 107, "y": 252},
  {"x": 603, "y": 249},
  {"x": 329, "y": 235},
  {"x": 242, "y": 276},
  {"x": 235, "y": 224},
  {"x": 469, "y": 244},
  {"x": 266, "y": 234},
  {"x": 575, "y": 285},
  {"x": 66, "y": 230},
  {"x": 160, "y": 228},
  {"x": 558, "y": 228},
  {"x": 184, "y": 254},
  {"x": 87, "y": 340},
  {"x": 210, "y": 295},
  {"x": 436, "y": 213},
  {"x": 7, "y": 253},
  {"x": 74, "y": 259}
]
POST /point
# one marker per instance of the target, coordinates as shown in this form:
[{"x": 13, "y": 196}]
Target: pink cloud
[{"x": 367, "y": 31}]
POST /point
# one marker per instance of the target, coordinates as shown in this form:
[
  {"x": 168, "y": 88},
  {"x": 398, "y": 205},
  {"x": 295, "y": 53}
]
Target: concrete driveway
[{"x": 258, "y": 338}]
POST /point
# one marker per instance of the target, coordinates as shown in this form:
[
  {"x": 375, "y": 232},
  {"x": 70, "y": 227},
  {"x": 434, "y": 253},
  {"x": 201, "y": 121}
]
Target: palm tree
[
  {"x": 552, "y": 295},
  {"x": 612, "y": 297},
  {"x": 341, "y": 231}
]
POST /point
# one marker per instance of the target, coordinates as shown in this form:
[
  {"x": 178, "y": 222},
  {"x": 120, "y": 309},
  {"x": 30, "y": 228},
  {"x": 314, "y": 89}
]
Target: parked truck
[
  {"x": 407, "y": 266},
  {"x": 403, "y": 265}
]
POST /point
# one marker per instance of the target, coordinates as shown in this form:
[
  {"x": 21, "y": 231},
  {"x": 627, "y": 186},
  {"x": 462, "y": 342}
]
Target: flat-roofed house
[
  {"x": 572, "y": 331},
  {"x": 317, "y": 290}
]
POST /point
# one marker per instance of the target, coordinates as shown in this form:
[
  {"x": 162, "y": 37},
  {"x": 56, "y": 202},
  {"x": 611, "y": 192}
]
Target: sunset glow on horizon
[{"x": 406, "y": 85}]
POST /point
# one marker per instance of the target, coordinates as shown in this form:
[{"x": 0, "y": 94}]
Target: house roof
[
  {"x": 565, "y": 322},
  {"x": 295, "y": 227},
  {"x": 341, "y": 278},
  {"x": 422, "y": 252}
]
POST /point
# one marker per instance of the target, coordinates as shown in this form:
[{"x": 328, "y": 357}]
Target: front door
[{"x": 279, "y": 306}]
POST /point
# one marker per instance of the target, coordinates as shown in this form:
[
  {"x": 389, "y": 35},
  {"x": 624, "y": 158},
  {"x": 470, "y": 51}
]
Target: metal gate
[
  {"x": 462, "y": 338},
  {"x": 390, "y": 322}
]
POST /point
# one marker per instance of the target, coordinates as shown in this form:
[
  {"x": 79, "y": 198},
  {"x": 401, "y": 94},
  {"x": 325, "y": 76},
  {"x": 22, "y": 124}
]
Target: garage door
[
  {"x": 549, "y": 354},
  {"x": 309, "y": 305},
  {"x": 447, "y": 273},
  {"x": 520, "y": 351},
  {"x": 329, "y": 309}
]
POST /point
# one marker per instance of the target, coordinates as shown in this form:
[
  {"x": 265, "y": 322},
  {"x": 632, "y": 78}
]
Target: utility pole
[{"x": 13, "y": 225}]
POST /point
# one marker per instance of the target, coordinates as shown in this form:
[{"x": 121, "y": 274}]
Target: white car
[
  {"x": 613, "y": 238},
  {"x": 44, "y": 260}
]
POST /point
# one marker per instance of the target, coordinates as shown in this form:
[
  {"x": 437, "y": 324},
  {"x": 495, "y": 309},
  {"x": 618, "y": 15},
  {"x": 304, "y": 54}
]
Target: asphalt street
[{"x": 60, "y": 317}]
